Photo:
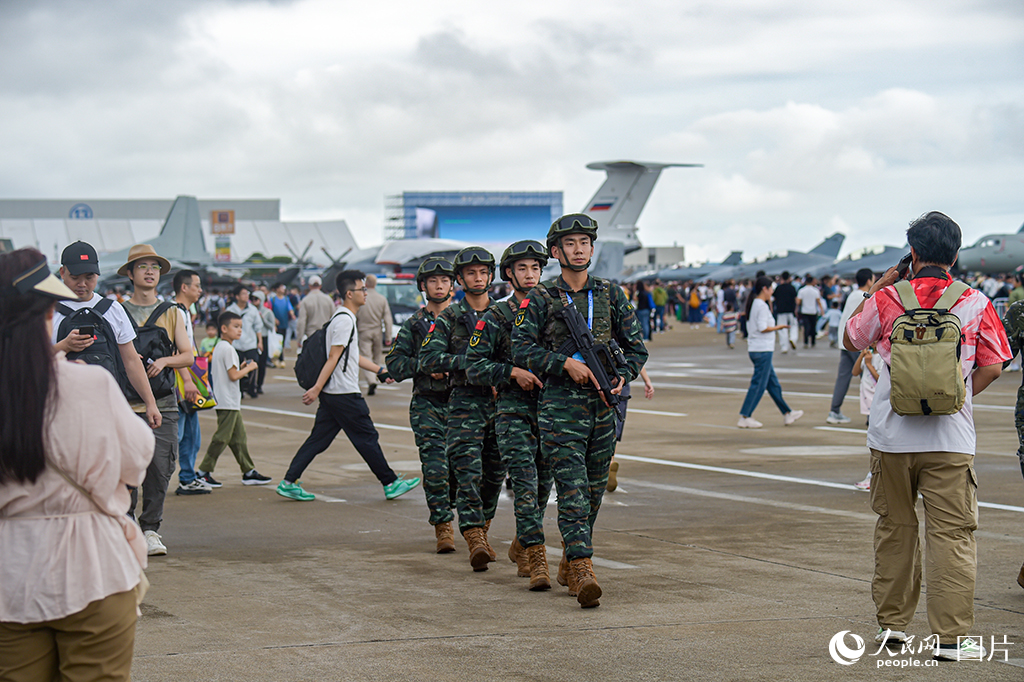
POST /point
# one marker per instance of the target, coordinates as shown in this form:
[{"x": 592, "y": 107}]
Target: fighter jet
[
  {"x": 682, "y": 273},
  {"x": 796, "y": 262},
  {"x": 994, "y": 253},
  {"x": 878, "y": 258}
]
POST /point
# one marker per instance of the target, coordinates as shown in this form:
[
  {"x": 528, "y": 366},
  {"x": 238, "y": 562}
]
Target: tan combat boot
[
  {"x": 517, "y": 555},
  {"x": 564, "y": 575},
  {"x": 588, "y": 592},
  {"x": 538, "y": 558},
  {"x": 478, "y": 557},
  {"x": 490, "y": 550},
  {"x": 613, "y": 480},
  {"x": 445, "y": 537}
]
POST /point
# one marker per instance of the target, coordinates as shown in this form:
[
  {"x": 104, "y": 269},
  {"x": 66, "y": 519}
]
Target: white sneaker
[
  {"x": 837, "y": 418},
  {"x": 749, "y": 423},
  {"x": 788, "y": 419},
  {"x": 969, "y": 649},
  {"x": 864, "y": 485},
  {"x": 154, "y": 547},
  {"x": 886, "y": 636}
]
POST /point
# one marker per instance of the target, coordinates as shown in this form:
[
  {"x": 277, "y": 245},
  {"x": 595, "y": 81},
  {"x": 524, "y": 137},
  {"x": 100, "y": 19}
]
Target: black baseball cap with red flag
[{"x": 80, "y": 258}]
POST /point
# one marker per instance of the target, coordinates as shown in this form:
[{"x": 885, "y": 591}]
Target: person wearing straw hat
[{"x": 144, "y": 268}]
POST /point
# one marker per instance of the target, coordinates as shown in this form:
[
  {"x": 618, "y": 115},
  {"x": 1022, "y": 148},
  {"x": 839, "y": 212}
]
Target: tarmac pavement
[{"x": 726, "y": 554}]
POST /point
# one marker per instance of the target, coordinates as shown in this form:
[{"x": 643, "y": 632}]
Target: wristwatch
[{"x": 867, "y": 294}]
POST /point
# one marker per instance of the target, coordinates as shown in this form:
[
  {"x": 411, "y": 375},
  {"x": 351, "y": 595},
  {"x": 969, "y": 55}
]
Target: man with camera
[{"x": 926, "y": 451}]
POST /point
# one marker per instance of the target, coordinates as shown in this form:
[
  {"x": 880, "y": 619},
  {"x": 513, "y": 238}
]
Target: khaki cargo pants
[{"x": 948, "y": 486}]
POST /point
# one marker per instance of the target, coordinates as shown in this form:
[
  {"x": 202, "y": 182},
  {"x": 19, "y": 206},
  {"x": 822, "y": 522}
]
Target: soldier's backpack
[
  {"x": 153, "y": 343},
  {"x": 927, "y": 378},
  {"x": 104, "y": 351},
  {"x": 314, "y": 354}
]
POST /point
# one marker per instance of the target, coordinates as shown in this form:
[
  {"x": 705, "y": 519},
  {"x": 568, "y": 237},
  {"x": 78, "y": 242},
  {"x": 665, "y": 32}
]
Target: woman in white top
[
  {"x": 761, "y": 330},
  {"x": 70, "y": 559}
]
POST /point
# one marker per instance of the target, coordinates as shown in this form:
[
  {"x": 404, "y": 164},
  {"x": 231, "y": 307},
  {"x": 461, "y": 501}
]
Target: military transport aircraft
[{"x": 994, "y": 253}]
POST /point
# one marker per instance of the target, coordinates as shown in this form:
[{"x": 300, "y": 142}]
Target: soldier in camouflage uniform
[
  {"x": 489, "y": 363},
  {"x": 1013, "y": 323},
  {"x": 472, "y": 448},
  {"x": 577, "y": 430},
  {"x": 429, "y": 406}
]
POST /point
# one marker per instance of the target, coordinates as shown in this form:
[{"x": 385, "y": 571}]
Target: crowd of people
[{"x": 528, "y": 390}]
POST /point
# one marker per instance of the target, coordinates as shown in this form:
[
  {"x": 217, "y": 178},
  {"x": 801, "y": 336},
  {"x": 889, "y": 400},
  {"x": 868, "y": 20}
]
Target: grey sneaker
[
  {"x": 195, "y": 487},
  {"x": 837, "y": 418}
]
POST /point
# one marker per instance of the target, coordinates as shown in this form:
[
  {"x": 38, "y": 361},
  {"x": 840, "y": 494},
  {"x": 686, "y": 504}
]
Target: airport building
[
  {"x": 233, "y": 229},
  {"x": 471, "y": 216},
  {"x": 653, "y": 258}
]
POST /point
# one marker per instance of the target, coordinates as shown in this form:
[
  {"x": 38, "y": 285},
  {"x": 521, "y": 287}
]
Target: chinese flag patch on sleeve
[{"x": 525, "y": 303}]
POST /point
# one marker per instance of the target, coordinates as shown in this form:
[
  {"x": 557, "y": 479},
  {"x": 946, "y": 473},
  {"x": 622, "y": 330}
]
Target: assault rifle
[{"x": 581, "y": 341}]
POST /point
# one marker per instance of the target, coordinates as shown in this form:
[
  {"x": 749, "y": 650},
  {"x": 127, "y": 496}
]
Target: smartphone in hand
[{"x": 904, "y": 265}]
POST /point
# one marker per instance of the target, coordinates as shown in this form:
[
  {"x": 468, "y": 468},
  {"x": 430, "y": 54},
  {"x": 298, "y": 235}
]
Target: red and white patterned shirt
[{"x": 984, "y": 344}]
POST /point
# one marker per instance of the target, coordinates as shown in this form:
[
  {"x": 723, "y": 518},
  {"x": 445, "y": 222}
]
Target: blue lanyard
[{"x": 590, "y": 308}]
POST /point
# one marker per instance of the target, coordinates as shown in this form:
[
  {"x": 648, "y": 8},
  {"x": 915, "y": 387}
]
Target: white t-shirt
[
  {"x": 761, "y": 318},
  {"x": 855, "y": 298},
  {"x": 227, "y": 392},
  {"x": 124, "y": 332},
  {"x": 808, "y": 298},
  {"x": 342, "y": 332}
]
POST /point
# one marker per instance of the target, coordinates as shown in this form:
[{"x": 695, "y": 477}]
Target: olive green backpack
[{"x": 925, "y": 366}]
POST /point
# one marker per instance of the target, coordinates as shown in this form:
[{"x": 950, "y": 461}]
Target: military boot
[
  {"x": 478, "y": 557},
  {"x": 445, "y": 537},
  {"x": 564, "y": 575},
  {"x": 613, "y": 480},
  {"x": 493, "y": 556},
  {"x": 588, "y": 592},
  {"x": 517, "y": 555},
  {"x": 538, "y": 558}
]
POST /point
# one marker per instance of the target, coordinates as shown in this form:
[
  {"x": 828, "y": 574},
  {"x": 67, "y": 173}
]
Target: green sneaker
[
  {"x": 400, "y": 486},
  {"x": 294, "y": 491}
]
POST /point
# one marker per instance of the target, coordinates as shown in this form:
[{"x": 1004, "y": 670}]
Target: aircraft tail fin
[
  {"x": 830, "y": 247},
  {"x": 1021, "y": 230},
  {"x": 734, "y": 258},
  {"x": 181, "y": 237},
  {"x": 617, "y": 204}
]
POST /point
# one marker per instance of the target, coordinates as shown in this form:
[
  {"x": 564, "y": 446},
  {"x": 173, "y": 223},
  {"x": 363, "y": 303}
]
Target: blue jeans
[
  {"x": 189, "y": 441},
  {"x": 764, "y": 377},
  {"x": 659, "y": 317},
  {"x": 644, "y": 315}
]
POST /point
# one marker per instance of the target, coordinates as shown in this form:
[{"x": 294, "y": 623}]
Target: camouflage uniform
[
  {"x": 472, "y": 447},
  {"x": 1013, "y": 323},
  {"x": 427, "y": 414},
  {"x": 577, "y": 430},
  {"x": 489, "y": 363}
]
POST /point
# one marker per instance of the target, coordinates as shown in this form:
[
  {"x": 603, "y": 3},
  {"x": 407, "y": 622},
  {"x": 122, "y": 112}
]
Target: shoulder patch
[
  {"x": 475, "y": 338},
  {"x": 480, "y": 325},
  {"x": 521, "y": 315},
  {"x": 426, "y": 339},
  {"x": 526, "y": 302}
]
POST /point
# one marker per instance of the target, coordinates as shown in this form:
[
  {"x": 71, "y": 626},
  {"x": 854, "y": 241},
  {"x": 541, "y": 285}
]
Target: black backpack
[
  {"x": 314, "y": 354},
  {"x": 104, "y": 351},
  {"x": 152, "y": 343}
]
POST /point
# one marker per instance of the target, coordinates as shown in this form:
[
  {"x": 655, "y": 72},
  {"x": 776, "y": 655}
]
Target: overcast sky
[{"x": 809, "y": 116}]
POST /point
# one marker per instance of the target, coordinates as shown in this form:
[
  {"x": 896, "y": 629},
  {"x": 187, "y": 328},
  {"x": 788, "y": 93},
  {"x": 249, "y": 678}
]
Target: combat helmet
[
  {"x": 572, "y": 223},
  {"x": 473, "y": 255},
  {"x": 430, "y": 267},
  {"x": 518, "y": 251}
]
